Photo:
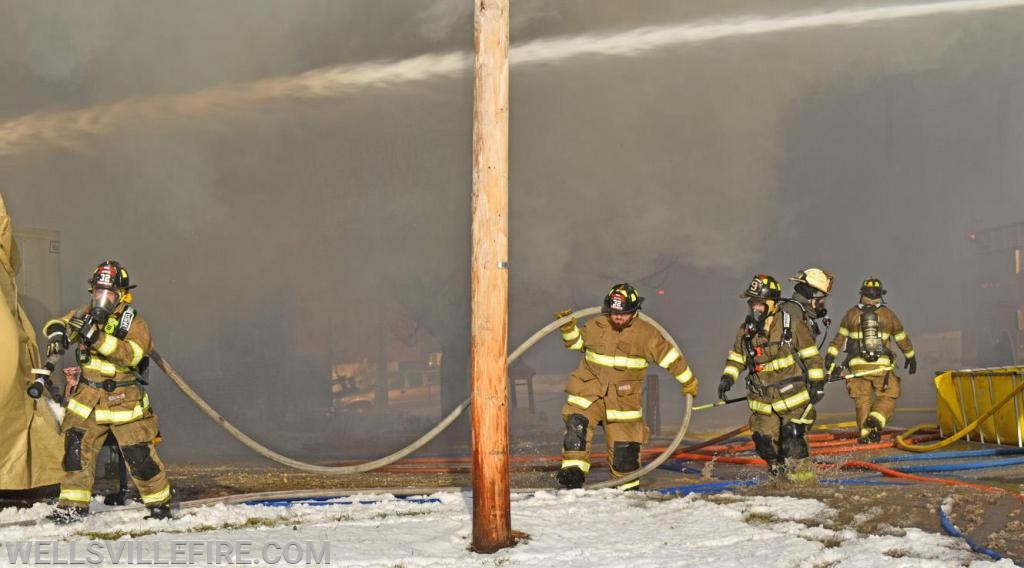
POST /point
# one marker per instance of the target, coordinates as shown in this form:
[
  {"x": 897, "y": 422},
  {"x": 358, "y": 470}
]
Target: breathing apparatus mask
[
  {"x": 754, "y": 322},
  {"x": 104, "y": 301}
]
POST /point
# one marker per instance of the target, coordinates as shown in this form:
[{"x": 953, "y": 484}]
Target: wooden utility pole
[{"x": 492, "y": 524}]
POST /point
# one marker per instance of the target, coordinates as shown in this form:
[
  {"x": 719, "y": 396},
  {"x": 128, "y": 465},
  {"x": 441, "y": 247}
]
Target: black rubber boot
[
  {"x": 159, "y": 513},
  {"x": 875, "y": 434},
  {"x": 63, "y": 514},
  {"x": 570, "y": 477}
]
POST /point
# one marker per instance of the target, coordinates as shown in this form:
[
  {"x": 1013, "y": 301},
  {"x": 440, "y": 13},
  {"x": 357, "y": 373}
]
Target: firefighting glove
[
  {"x": 567, "y": 326},
  {"x": 829, "y": 361},
  {"x": 690, "y": 387},
  {"x": 724, "y": 385},
  {"x": 911, "y": 364},
  {"x": 57, "y": 343},
  {"x": 85, "y": 327},
  {"x": 817, "y": 391}
]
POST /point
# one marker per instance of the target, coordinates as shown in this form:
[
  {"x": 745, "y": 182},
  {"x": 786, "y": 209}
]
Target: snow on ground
[{"x": 567, "y": 528}]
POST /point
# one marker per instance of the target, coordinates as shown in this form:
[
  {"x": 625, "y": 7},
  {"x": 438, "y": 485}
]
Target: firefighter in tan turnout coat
[
  {"x": 866, "y": 330},
  {"x": 112, "y": 341},
  {"x": 776, "y": 348},
  {"x": 607, "y": 387}
]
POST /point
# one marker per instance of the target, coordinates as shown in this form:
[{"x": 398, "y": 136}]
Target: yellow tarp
[
  {"x": 963, "y": 396},
  {"x": 30, "y": 447}
]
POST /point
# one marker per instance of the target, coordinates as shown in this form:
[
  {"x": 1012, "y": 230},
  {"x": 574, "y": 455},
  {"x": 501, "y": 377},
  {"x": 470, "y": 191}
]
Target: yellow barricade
[{"x": 966, "y": 395}]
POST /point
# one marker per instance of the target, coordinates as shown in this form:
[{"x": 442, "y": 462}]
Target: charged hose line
[
  {"x": 262, "y": 450},
  {"x": 902, "y": 444}
]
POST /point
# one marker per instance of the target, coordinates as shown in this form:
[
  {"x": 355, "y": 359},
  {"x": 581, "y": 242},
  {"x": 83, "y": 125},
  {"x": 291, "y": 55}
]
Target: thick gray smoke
[{"x": 271, "y": 240}]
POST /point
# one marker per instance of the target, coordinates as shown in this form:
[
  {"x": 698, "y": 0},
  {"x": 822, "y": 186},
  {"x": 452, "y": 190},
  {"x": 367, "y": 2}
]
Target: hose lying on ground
[
  {"x": 903, "y": 445},
  {"x": 262, "y": 450}
]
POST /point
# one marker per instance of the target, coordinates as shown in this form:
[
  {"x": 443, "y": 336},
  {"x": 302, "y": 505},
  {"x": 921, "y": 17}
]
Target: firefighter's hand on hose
[
  {"x": 911, "y": 364},
  {"x": 817, "y": 391},
  {"x": 830, "y": 360},
  {"x": 690, "y": 387},
  {"x": 57, "y": 343},
  {"x": 567, "y": 326},
  {"x": 724, "y": 385},
  {"x": 85, "y": 327}
]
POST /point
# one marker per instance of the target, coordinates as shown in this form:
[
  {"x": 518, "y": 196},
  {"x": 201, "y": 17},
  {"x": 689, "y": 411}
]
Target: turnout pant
[
  {"x": 624, "y": 437},
  {"x": 780, "y": 438},
  {"x": 83, "y": 440},
  {"x": 874, "y": 396}
]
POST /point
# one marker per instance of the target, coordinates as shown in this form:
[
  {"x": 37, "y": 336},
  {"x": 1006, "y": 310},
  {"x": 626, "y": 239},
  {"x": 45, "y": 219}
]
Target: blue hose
[
  {"x": 950, "y": 455},
  {"x": 951, "y": 529},
  {"x": 326, "y": 501},
  {"x": 960, "y": 466},
  {"x": 724, "y": 485},
  {"x": 707, "y": 487}
]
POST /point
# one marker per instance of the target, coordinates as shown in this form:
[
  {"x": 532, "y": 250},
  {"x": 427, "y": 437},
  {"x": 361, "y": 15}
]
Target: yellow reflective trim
[
  {"x": 833, "y": 350},
  {"x": 809, "y": 352},
  {"x": 616, "y": 361},
  {"x": 791, "y": 402},
  {"x": 162, "y": 495},
  {"x": 77, "y": 495},
  {"x": 624, "y": 415},
  {"x": 802, "y": 421},
  {"x": 731, "y": 371},
  {"x": 909, "y": 354},
  {"x": 686, "y": 376},
  {"x": 669, "y": 358},
  {"x": 630, "y": 485},
  {"x": 79, "y": 409},
  {"x": 108, "y": 346},
  {"x": 737, "y": 358},
  {"x": 137, "y": 353},
  {"x": 864, "y": 432},
  {"x": 103, "y": 367},
  {"x": 844, "y": 332},
  {"x": 900, "y": 336},
  {"x": 578, "y": 345},
  {"x": 879, "y": 417},
  {"x": 818, "y": 374},
  {"x": 778, "y": 364},
  {"x": 883, "y": 360},
  {"x": 759, "y": 407},
  {"x": 579, "y": 401},
  {"x": 572, "y": 334},
  {"x": 122, "y": 416},
  {"x": 583, "y": 465}
]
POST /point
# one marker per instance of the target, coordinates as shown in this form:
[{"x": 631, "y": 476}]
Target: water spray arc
[{"x": 69, "y": 129}]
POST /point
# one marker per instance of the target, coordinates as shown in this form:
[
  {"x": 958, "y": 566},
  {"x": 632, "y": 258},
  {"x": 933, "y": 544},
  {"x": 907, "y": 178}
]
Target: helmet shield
[
  {"x": 764, "y": 287},
  {"x": 816, "y": 279},
  {"x": 872, "y": 288},
  {"x": 622, "y": 299}
]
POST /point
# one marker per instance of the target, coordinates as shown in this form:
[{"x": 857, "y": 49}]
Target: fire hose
[{"x": 262, "y": 450}]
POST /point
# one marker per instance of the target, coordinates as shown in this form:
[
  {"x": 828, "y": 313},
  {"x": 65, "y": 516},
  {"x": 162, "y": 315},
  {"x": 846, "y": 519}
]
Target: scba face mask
[{"x": 103, "y": 303}]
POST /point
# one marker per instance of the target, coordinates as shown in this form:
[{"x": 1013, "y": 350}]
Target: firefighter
[
  {"x": 867, "y": 329},
  {"x": 607, "y": 387},
  {"x": 113, "y": 342},
  {"x": 810, "y": 290},
  {"x": 775, "y": 348}
]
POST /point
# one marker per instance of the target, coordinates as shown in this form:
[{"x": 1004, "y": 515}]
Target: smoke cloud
[{"x": 283, "y": 179}]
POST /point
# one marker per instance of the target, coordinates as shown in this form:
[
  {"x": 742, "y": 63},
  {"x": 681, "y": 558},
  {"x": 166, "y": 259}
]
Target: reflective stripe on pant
[
  {"x": 868, "y": 396},
  {"x": 634, "y": 431},
  {"x": 77, "y": 484}
]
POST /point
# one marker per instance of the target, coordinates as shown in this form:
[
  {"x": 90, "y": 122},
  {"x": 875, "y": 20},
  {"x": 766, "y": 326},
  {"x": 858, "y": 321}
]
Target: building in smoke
[{"x": 993, "y": 284}]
